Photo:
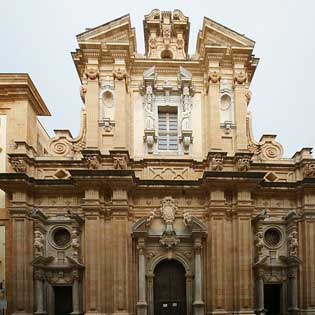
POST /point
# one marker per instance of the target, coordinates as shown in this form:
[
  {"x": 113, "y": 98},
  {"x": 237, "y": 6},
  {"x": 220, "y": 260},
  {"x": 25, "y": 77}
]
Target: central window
[{"x": 168, "y": 129}]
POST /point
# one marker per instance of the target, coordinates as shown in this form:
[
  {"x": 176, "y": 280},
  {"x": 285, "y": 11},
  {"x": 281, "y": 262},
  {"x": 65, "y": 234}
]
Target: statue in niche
[
  {"x": 148, "y": 107},
  {"x": 186, "y": 109}
]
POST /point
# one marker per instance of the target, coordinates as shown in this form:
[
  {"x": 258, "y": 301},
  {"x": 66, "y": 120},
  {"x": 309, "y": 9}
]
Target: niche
[
  {"x": 108, "y": 104},
  {"x": 226, "y": 110}
]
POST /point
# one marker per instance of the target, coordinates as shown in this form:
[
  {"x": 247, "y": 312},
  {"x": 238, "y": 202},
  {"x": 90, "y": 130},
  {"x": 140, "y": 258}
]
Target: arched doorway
[{"x": 169, "y": 288}]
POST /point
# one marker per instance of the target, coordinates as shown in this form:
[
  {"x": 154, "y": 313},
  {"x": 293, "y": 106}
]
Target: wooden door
[{"x": 169, "y": 288}]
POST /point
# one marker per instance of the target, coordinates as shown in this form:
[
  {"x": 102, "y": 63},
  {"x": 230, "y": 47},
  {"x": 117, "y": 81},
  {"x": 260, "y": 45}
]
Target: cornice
[{"x": 14, "y": 86}]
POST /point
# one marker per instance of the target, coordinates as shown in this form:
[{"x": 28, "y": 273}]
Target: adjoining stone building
[{"x": 164, "y": 203}]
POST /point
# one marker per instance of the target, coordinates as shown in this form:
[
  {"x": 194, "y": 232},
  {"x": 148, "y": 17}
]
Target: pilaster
[
  {"x": 240, "y": 90},
  {"x": 22, "y": 243},
  {"x": 243, "y": 256},
  {"x": 122, "y": 129},
  {"x": 212, "y": 125},
  {"x": 91, "y": 77},
  {"x": 121, "y": 251},
  {"x": 91, "y": 208}
]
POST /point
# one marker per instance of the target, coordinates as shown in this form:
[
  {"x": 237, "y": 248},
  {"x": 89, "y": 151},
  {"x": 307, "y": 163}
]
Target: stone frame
[{"x": 151, "y": 252}]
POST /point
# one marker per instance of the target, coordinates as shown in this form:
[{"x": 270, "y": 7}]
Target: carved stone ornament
[
  {"x": 217, "y": 163},
  {"x": 240, "y": 77},
  {"x": 243, "y": 163},
  {"x": 83, "y": 91},
  {"x": 120, "y": 162},
  {"x": 214, "y": 76},
  {"x": 248, "y": 96},
  {"x": 187, "y": 218},
  {"x": 18, "y": 164},
  {"x": 169, "y": 239},
  {"x": 92, "y": 162},
  {"x": 39, "y": 243},
  {"x": 309, "y": 170},
  {"x": 167, "y": 211},
  {"x": 119, "y": 73},
  {"x": 91, "y": 74},
  {"x": 269, "y": 148}
]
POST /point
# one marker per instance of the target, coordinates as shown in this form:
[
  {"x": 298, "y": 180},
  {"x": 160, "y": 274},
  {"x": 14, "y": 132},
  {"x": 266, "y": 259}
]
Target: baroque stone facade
[{"x": 164, "y": 203}]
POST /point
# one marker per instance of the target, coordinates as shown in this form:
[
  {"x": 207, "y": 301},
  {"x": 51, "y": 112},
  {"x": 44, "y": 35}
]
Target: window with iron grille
[{"x": 168, "y": 131}]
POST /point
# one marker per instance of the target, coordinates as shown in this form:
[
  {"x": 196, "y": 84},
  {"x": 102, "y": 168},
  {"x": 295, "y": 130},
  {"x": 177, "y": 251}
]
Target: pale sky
[{"x": 37, "y": 37}]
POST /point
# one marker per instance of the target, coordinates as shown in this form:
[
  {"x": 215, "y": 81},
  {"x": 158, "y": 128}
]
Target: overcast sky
[{"x": 37, "y": 37}]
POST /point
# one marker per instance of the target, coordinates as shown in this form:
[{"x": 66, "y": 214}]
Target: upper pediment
[
  {"x": 118, "y": 31},
  {"x": 214, "y": 34}
]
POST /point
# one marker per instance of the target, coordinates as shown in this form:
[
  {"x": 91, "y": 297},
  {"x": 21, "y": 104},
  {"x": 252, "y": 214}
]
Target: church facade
[{"x": 165, "y": 203}]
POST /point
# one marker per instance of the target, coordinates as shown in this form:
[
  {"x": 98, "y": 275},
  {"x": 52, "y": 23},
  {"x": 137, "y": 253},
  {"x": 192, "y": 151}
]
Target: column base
[
  {"x": 307, "y": 311},
  {"x": 40, "y": 313},
  {"x": 294, "y": 311},
  {"x": 249, "y": 312},
  {"x": 198, "y": 308},
  {"x": 142, "y": 308},
  {"x": 261, "y": 312},
  {"x": 76, "y": 313}
]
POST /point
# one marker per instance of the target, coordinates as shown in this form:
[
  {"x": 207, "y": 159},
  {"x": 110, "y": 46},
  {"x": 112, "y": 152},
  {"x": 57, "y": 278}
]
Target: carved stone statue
[
  {"x": 75, "y": 244},
  {"x": 39, "y": 243},
  {"x": 293, "y": 243},
  {"x": 148, "y": 107}
]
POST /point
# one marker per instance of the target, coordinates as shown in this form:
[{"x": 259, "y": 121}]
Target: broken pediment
[
  {"x": 214, "y": 34},
  {"x": 118, "y": 30}
]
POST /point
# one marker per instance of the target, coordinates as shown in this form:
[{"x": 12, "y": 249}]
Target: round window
[
  {"x": 272, "y": 237},
  {"x": 61, "y": 237}
]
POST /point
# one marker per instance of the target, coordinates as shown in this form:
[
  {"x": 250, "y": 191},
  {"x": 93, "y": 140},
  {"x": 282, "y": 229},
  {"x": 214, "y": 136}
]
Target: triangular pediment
[{"x": 216, "y": 34}]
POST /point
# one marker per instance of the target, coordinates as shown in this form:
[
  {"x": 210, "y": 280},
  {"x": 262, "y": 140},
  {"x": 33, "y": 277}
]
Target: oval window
[
  {"x": 61, "y": 237},
  {"x": 272, "y": 237}
]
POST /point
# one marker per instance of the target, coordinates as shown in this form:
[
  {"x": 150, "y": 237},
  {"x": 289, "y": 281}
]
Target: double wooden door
[{"x": 169, "y": 288}]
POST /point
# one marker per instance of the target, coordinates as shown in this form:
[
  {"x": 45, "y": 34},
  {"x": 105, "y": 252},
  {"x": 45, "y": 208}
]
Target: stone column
[
  {"x": 75, "y": 293},
  {"x": 189, "y": 291},
  {"x": 293, "y": 298},
  {"x": 260, "y": 293},
  {"x": 198, "y": 304},
  {"x": 39, "y": 282},
  {"x": 142, "y": 304},
  {"x": 150, "y": 293}
]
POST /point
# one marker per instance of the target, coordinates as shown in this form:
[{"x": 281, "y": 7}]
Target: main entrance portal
[{"x": 169, "y": 288}]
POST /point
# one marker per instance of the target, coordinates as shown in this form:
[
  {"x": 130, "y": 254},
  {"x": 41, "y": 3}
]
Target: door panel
[{"x": 169, "y": 288}]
